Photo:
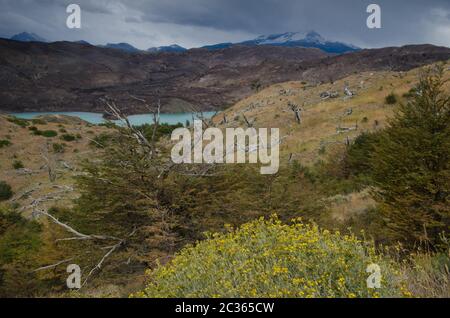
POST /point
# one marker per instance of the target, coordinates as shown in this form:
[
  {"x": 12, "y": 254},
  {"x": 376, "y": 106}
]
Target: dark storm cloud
[
  {"x": 409, "y": 21},
  {"x": 197, "y": 22}
]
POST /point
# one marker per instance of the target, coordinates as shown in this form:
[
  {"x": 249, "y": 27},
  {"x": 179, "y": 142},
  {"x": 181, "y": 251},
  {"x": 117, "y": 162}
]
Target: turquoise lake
[{"x": 96, "y": 118}]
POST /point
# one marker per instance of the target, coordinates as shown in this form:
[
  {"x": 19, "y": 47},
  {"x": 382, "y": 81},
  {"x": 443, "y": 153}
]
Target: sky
[{"x": 194, "y": 23}]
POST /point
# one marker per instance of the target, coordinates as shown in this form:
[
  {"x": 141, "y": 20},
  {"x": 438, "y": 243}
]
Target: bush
[
  {"x": 49, "y": 133},
  {"x": 19, "y": 121},
  {"x": 391, "y": 99},
  {"x": 19, "y": 250},
  {"x": 101, "y": 140},
  {"x": 413, "y": 92},
  {"x": 4, "y": 143},
  {"x": 162, "y": 130},
  {"x": 58, "y": 148},
  {"x": 17, "y": 164},
  {"x": 68, "y": 137},
  {"x": 428, "y": 277},
  {"x": 5, "y": 191},
  {"x": 38, "y": 121},
  {"x": 270, "y": 259},
  {"x": 46, "y": 133},
  {"x": 356, "y": 160}
]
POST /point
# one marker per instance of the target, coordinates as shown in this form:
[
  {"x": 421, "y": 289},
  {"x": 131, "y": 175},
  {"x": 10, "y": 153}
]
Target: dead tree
[
  {"x": 148, "y": 148},
  {"x": 247, "y": 122},
  {"x": 118, "y": 243},
  {"x": 224, "y": 121},
  {"x": 297, "y": 112},
  {"x": 49, "y": 163}
]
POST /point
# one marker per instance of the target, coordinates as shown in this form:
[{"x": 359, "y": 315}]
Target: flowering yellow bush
[{"x": 266, "y": 258}]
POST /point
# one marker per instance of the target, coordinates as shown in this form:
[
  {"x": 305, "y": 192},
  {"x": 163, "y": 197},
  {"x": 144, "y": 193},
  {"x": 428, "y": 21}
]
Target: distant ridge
[
  {"x": 72, "y": 76},
  {"x": 123, "y": 47},
  {"x": 27, "y": 37},
  {"x": 83, "y": 42},
  {"x": 309, "y": 39}
]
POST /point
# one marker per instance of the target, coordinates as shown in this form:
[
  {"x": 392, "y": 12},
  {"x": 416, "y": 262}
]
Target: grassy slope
[
  {"x": 29, "y": 148},
  {"x": 315, "y": 138},
  {"x": 321, "y": 117}
]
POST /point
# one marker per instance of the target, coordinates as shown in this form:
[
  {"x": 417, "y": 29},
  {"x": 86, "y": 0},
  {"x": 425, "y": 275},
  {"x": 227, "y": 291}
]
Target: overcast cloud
[{"x": 194, "y": 23}]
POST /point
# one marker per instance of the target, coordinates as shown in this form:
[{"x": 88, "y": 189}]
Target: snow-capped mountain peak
[
  {"x": 310, "y": 36},
  {"x": 170, "y": 48},
  {"x": 301, "y": 39},
  {"x": 313, "y": 36}
]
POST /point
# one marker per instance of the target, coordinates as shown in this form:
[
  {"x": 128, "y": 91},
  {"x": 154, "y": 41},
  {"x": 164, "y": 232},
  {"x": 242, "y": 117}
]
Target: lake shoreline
[
  {"x": 136, "y": 119},
  {"x": 98, "y": 111}
]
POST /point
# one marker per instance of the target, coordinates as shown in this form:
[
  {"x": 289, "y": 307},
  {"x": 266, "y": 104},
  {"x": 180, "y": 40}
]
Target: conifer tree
[{"x": 411, "y": 165}]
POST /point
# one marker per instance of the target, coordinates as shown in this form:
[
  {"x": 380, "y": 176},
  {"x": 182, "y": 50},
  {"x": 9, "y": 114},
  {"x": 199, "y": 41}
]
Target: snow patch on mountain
[{"x": 170, "y": 48}]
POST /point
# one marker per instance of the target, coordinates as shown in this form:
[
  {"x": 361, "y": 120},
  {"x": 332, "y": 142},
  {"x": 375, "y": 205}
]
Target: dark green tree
[
  {"x": 411, "y": 165},
  {"x": 5, "y": 191}
]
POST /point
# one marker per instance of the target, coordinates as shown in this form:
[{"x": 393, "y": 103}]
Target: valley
[
  {"x": 65, "y": 170},
  {"x": 319, "y": 136}
]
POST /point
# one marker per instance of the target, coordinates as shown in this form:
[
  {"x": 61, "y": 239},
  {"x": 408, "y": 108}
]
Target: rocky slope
[{"x": 64, "y": 76}]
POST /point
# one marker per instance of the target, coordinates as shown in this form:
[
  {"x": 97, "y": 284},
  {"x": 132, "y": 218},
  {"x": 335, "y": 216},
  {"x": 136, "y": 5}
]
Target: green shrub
[
  {"x": 108, "y": 124},
  {"x": 271, "y": 259},
  {"x": 20, "y": 241},
  {"x": 33, "y": 128},
  {"x": 48, "y": 133},
  {"x": 58, "y": 148},
  {"x": 17, "y": 164},
  {"x": 358, "y": 154},
  {"x": 391, "y": 99},
  {"x": 68, "y": 137},
  {"x": 5, "y": 191},
  {"x": 38, "y": 121},
  {"x": 19, "y": 121},
  {"x": 101, "y": 140},
  {"x": 162, "y": 130},
  {"x": 5, "y": 143}
]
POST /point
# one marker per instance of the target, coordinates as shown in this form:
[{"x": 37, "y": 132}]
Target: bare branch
[{"x": 52, "y": 265}]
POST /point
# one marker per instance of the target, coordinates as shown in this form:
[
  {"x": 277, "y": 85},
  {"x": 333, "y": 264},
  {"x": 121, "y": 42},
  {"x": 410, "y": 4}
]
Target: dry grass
[
  {"x": 344, "y": 207},
  {"x": 427, "y": 275},
  {"x": 316, "y": 137},
  {"x": 269, "y": 108},
  {"x": 27, "y": 148}
]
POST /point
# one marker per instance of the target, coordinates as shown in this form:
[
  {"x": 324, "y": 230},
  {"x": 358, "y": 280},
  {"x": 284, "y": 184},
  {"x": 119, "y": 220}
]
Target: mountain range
[
  {"x": 310, "y": 39},
  {"x": 69, "y": 76}
]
